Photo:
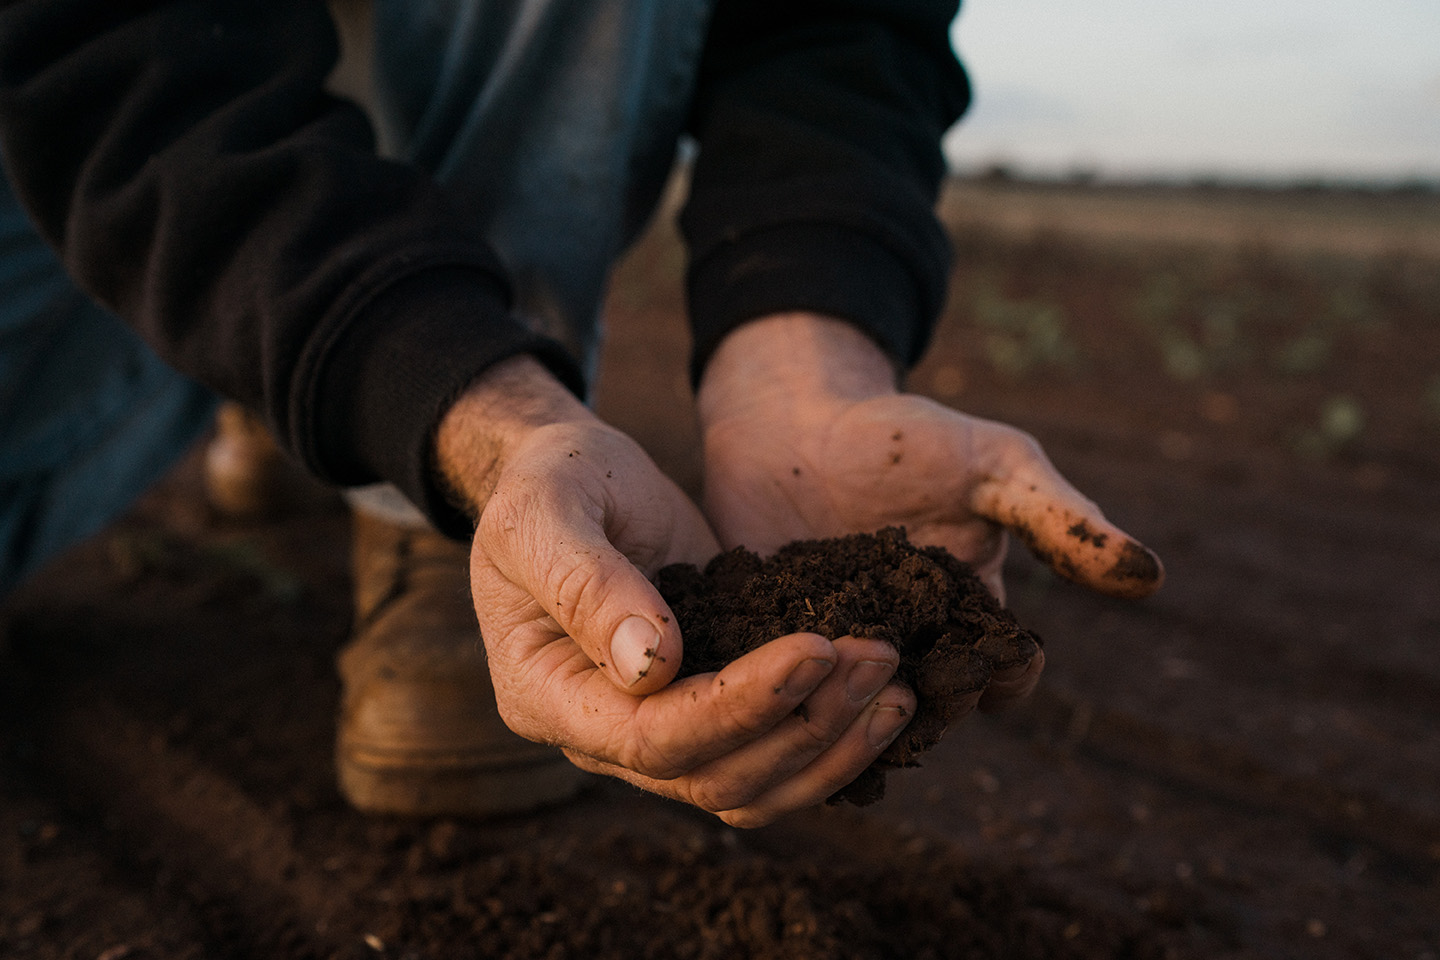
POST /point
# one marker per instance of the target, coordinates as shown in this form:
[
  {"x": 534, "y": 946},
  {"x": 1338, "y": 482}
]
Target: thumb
[
  {"x": 1024, "y": 492},
  {"x": 596, "y": 595}
]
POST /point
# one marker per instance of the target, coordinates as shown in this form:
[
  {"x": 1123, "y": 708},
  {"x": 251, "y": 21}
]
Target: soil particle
[
  {"x": 694, "y": 890},
  {"x": 1059, "y": 562},
  {"x": 951, "y": 632},
  {"x": 1136, "y": 564},
  {"x": 1081, "y": 531}
]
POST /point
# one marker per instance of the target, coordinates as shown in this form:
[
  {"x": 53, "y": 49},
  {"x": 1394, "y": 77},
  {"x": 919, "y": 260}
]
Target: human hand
[
  {"x": 573, "y": 520},
  {"x": 807, "y": 436}
]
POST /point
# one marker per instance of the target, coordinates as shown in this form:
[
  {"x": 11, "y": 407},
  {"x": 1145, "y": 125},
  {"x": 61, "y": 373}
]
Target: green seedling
[
  {"x": 1340, "y": 423},
  {"x": 1021, "y": 335}
]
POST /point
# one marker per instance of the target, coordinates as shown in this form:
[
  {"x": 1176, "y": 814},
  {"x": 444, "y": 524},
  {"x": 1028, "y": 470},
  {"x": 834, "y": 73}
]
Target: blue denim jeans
[
  {"x": 89, "y": 416},
  {"x": 554, "y": 121}
]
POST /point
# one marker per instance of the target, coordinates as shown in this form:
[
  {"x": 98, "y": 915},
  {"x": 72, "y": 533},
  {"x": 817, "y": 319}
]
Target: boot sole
[{"x": 433, "y": 786}]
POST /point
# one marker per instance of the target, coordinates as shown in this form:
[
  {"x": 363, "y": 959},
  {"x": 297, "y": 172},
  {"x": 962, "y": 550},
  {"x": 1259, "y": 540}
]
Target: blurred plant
[
  {"x": 137, "y": 555},
  {"x": 1432, "y": 396},
  {"x": 1307, "y": 353},
  {"x": 1340, "y": 423},
  {"x": 1350, "y": 311},
  {"x": 1184, "y": 360},
  {"x": 1351, "y": 306},
  {"x": 245, "y": 558},
  {"x": 1342, "y": 419},
  {"x": 1296, "y": 316},
  {"x": 1021, "y": 335},
  {"x": 1159, "y": 300},
  {"x": 1197, "y": 331}
]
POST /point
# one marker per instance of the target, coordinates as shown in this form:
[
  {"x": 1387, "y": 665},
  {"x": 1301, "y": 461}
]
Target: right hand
[{"x": 573, "y": 520}]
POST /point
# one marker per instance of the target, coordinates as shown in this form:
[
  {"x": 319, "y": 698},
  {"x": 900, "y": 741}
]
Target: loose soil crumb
[{"x": 951, "y": 632}]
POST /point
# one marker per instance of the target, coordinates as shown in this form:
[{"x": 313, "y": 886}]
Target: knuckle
[
  {"x": 515, "y": 714},
  {"x": 820, "y": 734},
  {"x": 502, "y": 518},
  {"x": 1021, "y": 441},
  {"x": 579, "y": 586},
  {"x": 1021, "y": 450},
  {"x": 737, "y": 720},
  {"x": 522, "y": 724}
]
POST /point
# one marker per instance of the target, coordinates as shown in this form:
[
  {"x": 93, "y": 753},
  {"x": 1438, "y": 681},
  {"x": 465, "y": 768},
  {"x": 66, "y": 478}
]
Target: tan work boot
[
  {"x": 419, "y": 732},
  {"x": 247, "y": 476}
]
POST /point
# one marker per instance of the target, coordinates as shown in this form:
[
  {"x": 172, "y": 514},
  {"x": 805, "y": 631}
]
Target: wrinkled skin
[{"x": 805, "y": 436}]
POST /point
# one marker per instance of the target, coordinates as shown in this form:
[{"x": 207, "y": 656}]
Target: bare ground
[{"x": 1246, "y": 765}]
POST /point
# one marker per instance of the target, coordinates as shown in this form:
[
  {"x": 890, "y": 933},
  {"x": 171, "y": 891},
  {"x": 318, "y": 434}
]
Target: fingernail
[
  {"x": 867, "y": 678},
  {"x": 885, "y": 725},
  {"x": 632, "y": 649},
  {"x": 807, "y": 676}
]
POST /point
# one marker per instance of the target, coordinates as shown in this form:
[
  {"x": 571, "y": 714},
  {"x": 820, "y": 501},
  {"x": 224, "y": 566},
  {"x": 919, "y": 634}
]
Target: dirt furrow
[
  {"x": 1225, "y": 772},
  {"x": 233, "y": 861},
  {"x": 67, "y": 894},
  {"x": 1248, "y": 865}
]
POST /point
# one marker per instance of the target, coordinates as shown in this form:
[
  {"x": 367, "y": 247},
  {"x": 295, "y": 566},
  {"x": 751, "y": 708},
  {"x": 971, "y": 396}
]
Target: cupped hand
[
  {"x": 573, "y": 520},
  {"x": 807, "y": 436}
]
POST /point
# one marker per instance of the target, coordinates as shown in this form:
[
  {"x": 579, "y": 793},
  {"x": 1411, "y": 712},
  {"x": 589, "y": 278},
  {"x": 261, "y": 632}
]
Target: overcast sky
[{"x": 1289, "y": 88}]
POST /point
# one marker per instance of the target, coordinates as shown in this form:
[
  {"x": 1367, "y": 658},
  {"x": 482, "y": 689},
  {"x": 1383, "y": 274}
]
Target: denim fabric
[
  {"x": 555, "y": 121},
  {"x": 89, "y": 416}
]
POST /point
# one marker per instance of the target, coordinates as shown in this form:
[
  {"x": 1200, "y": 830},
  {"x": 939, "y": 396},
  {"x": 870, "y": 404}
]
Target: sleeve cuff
[
  {"x": 817, "y": 267},
  {"x": 400, "y": 363}
]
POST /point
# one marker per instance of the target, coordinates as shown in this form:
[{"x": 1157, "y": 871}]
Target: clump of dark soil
[
  {"x": 951, "y": 632},
  {"x": 697, "y": 891}
]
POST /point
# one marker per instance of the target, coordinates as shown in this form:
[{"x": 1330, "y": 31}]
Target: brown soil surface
[
  {"x": 951, "y": 633},
  {"x": 1246, "y": 765}
]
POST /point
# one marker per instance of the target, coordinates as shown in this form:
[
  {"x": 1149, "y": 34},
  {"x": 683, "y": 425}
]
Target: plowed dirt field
[{"x": 1246, "y": 765}]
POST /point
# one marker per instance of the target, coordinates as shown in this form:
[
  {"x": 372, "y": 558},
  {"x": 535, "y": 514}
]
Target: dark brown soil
[
  {"x": 1245, "y": 766},
  {"x": 950, "y": 631}
]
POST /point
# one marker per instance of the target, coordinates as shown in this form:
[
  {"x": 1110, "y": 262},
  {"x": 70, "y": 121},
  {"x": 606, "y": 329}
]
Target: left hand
[{"x": 807, "y": 436}]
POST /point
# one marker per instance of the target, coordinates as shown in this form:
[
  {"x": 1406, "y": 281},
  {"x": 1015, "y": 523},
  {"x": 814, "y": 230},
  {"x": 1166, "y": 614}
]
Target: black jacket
[{"x": 197, "y": 179}]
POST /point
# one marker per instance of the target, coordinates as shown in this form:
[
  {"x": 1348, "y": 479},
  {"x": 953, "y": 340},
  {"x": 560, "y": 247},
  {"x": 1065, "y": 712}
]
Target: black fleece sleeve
[
  {"x": 186, "y": 162},
  {"x": 819, "y": 124}
]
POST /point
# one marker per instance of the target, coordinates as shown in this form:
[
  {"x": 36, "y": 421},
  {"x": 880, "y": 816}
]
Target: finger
[
  {"x": 994, "y": 581},
  {"x": 555, "y": 549},
  {"x": 1025, "y": 492},
  {"x": 863, "y": 669},
  {"x": 696, "y": 720},
  {"x": 1014, "y": 683},
  {"x": 862, "y": 742},
  {"x": 858, "y": 746}
]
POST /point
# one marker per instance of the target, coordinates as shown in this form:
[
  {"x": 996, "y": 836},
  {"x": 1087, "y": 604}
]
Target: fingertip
[
  {"x": 1068, "y": 532},
  {"x": 897, "y": 694},
  {"x": 790, "y": 666},
  {"x": 1136, "y": 572},
  {"x": 1016, "y": 683},
  {"x": 886, "y": 723},
  {"x": 1097, "y": 554},
  {"x": 867, "y": 648},
  {"x": 807, "y": 646}
]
